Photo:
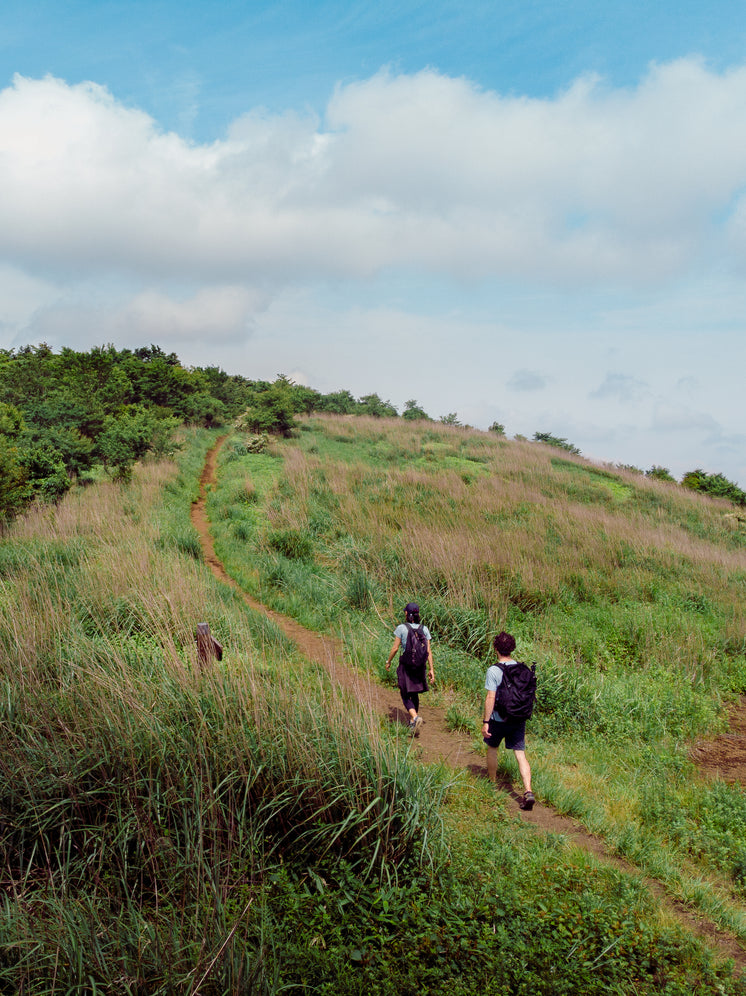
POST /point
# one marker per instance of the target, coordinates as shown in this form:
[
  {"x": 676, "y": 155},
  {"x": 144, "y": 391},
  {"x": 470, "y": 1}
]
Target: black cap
[{"x": 412, "y": 607}]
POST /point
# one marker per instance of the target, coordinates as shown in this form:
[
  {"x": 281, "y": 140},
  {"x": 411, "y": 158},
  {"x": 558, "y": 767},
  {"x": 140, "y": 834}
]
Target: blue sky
[{"x": 543, "y": 205}]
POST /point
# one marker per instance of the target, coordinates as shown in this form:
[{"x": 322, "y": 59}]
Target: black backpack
[
  {"x": 516, "y": 693},
  {"x": 414, "y": 655}
]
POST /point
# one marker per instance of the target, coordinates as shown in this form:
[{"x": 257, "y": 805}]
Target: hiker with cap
[{"x": 414, "y": 639}]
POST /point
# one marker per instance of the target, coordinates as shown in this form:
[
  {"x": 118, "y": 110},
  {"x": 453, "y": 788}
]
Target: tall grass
[
  {"x": 168, "y": 828},
  {"x": 145, "y": 800},
  {"x": 628, "y": 592}
]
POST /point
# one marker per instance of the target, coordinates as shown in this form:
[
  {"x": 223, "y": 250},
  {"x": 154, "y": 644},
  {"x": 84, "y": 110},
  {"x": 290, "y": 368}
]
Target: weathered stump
[{"x": 208, "y": 647}]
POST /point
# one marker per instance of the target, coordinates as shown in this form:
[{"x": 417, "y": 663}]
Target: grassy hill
[{"x": 245, "y": 829}]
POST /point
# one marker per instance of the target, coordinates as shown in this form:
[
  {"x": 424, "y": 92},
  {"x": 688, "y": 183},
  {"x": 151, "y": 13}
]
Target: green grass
[
  {"x": 173, "y": 829},
  {"x": 628, "y": 595}
]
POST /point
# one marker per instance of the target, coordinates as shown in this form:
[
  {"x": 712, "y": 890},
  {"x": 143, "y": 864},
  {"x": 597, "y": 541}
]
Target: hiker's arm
[
  {"x": 430, "y": 660},
  {"x": 394, "y": 647},
  {"x": 489, "y": 708}
]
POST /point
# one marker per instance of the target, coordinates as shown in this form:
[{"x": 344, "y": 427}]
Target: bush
[
  {"x": 271, "y": 411},
  {"x": 715, "y": 485},
  {"x": 660, "y": 473},
  {"x": 549, "y": 440}
]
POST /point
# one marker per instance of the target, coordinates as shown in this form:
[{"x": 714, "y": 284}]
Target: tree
[
  {"x": 46, "y": 474},
  {"x": 339, "y": 402},
  {"x": 75, "y": 450},
  {"x": 660, "y": 473},
  {"x": 549, "y": 440},
  {"x": 128, "y": 436},
  {"x": 371, "y": 404},
  {"x": 450, "y": 419},
  {"x": 498, "y": 428},
  {"x": 412, "y": 411},
  {"x": 715, "y": 485},
  {"x": 202, "y": 409},
  {"x": 14, "y": 492},
  {"x": 272, "y": 410},
  {"x": 12, "y": 422},
  {"x": 305, "y": 399}
]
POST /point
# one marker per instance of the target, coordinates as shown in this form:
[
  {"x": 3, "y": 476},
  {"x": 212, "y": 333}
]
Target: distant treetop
[{"x": 558, "y": 441}]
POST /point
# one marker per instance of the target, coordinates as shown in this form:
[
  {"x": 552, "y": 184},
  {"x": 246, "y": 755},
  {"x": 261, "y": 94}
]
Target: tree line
[{"x": 62, "y": 414}]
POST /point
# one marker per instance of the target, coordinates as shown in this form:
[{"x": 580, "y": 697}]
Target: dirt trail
[{"x": 437, "y": 743}]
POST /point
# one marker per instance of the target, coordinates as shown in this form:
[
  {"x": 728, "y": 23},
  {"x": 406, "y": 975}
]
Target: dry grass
[
  {"x": 142, "y": 792},
  {"x": 514, "y": 522}
]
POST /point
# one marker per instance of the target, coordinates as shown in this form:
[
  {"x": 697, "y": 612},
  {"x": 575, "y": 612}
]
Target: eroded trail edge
[{"x": 436, "y": 742}]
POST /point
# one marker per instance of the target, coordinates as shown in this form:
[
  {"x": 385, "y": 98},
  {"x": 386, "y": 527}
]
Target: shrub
[
  {"x": 412, "y": 412},
  {"x": 549, "y": 440},
  {"x": 715, "y": 485},
  {"x": 271, "y": 411},
  {"x": 660, "y": 473}
]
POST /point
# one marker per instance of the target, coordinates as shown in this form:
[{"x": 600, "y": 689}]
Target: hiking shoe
[
  {"x": 528, "y": 800},
  {"x": 415, "y": 725}
]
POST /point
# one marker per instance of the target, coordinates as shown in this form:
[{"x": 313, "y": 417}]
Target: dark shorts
[{"x": 513, "y": 730}]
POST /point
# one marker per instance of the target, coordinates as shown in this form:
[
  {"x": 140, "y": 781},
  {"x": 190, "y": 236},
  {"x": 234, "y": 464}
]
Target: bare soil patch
[
  {"x": 437, "y": 743},
  {"x": 725, "y": 756}
]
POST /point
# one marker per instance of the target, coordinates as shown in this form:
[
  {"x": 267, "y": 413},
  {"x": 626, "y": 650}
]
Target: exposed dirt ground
[{"x": 726, "y": 755}]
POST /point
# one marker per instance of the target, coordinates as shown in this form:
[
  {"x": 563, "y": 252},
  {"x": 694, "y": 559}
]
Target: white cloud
[
  {"x": 420, "y": 170},
  {"x": 240, "y": 252},
  {"x": 212, "y": 316},
  {"x": 621, "y": 387},
  {"x": 670, "y": 418},
  {"x": 527, "y": 380},
  {"x": 21, "y": 294}
]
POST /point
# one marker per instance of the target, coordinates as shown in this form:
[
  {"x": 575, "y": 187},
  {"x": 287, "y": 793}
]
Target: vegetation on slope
[
  {"x": 240, "y": 829},
  {"x": 64, "y": 415},
  {"x": 627, "y": 591}
]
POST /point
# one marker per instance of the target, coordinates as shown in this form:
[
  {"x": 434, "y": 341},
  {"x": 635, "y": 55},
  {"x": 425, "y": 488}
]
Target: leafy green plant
[
  {"x": 557, "y": 441},
  {"x": 660, "y": 473},
  {"x": 715, "y": 485}
]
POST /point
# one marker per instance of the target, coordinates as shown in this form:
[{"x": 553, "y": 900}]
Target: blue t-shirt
[
  {"x": 401, "y": 632},
  {"x": 492, "y": 682}
]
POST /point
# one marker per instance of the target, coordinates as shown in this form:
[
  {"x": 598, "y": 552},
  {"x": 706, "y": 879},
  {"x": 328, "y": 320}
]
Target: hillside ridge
[{"x": 439, "y": 744}]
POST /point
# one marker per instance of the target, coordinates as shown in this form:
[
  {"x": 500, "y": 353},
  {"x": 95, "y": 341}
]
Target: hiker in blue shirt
[
  {"x": 412, "y": 682},
  {"x": 495, "y": 727}
]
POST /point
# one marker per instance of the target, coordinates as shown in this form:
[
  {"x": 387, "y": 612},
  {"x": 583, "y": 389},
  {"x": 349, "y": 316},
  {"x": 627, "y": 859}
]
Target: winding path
[{"x": 437, "y": 743}]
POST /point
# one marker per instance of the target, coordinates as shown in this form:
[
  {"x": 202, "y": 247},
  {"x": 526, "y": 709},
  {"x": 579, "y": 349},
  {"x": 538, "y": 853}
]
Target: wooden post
[{"x": 207, "y": 646}]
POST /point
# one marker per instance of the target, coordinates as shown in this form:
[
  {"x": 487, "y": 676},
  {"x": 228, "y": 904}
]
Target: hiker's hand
[{"x": 388, "y": 665}]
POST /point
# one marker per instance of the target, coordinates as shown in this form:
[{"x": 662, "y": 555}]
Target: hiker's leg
[
  {"x": 411, "y": 702},
  {"x": 524, "y": 768},
  {"x": 492, "y": 763}
]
